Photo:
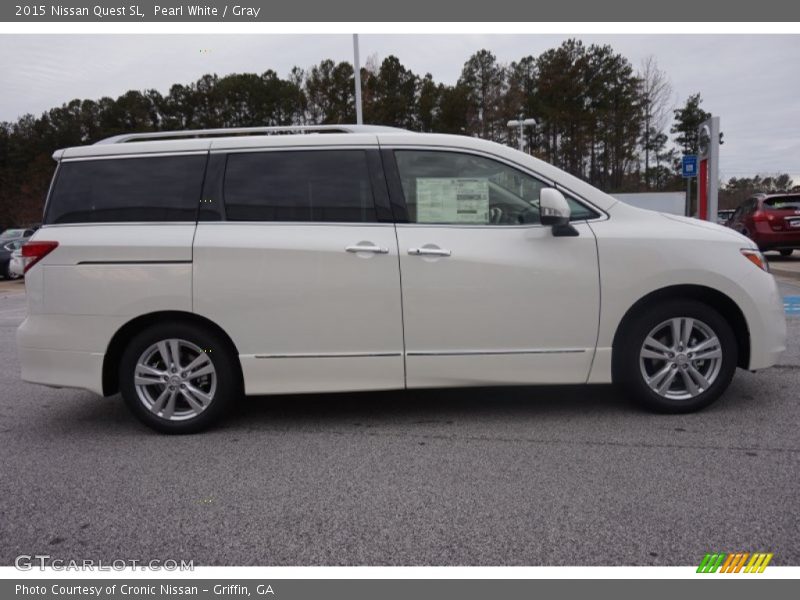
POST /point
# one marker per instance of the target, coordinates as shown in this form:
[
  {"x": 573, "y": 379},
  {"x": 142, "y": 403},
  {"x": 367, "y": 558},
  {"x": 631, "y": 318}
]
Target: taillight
[
  {"x": 33, "y": 252},
  {"x": 763, "y": 216}
]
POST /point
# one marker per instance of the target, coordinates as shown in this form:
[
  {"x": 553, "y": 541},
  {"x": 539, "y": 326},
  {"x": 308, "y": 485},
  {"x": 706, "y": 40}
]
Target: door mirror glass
[{"x": 553, "y": 207}]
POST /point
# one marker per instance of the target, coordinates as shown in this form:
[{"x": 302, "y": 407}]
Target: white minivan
[{"x": 185, "y": 269}]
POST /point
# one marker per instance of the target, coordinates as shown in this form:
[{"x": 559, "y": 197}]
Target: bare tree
[{"x": 656, "y": 98}]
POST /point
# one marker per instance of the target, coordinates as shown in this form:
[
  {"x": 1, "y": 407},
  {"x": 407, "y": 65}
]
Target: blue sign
[
  {"x": 689, "y": 166},
  {"x": 792, "y": 305}
]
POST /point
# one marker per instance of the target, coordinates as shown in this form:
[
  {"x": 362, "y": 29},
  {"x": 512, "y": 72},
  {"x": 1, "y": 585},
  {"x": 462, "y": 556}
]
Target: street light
[{"x": 522, "y": 123}]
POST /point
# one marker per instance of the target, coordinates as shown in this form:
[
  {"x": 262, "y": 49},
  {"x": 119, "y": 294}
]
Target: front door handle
[
  {"x": 367, "y": 247},
  {"x": 428, "y": 251}
]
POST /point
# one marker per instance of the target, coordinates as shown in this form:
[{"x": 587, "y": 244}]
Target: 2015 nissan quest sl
[{"x": 186, "y": 269}]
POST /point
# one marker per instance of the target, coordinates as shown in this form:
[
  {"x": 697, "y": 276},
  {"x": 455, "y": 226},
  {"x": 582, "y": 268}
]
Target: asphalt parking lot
[{"x": 520, "y": 476}]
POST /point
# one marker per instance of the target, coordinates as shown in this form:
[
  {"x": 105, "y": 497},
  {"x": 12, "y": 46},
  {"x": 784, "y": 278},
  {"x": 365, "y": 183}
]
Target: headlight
[{"x": 755, "y": 257}]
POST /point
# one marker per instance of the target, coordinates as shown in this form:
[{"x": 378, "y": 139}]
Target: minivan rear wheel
[
  {"x": 677, "y": 357},
  {"x": 178, "y": 378}
]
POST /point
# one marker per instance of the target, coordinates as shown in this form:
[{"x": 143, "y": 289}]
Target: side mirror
[
  {"x": 554, "y": 211},
  {"x": 553, "y": 207}
]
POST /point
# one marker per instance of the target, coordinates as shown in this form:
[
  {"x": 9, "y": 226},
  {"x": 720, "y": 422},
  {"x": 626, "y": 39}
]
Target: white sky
[{"x": 750, "y": 82}]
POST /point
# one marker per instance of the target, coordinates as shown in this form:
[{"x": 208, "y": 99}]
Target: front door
[{"x": 490, "y": 296}]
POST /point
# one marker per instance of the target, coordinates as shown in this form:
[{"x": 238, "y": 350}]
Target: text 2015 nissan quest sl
[{"x": 186, "y": 269}]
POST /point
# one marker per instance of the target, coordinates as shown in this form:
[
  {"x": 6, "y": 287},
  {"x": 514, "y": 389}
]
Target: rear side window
[
  {"x": 302, "y": 185},
  {"x": 163, "y": 188}
]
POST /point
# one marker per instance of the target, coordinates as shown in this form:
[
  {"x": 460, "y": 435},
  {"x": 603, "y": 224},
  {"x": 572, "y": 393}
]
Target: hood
[{"x": 709, "y": 226}]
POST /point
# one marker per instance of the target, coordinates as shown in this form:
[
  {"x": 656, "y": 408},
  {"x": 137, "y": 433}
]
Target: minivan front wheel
[
  {"x": 178, "y": 378},
  {"x": 678, "y": 357}
]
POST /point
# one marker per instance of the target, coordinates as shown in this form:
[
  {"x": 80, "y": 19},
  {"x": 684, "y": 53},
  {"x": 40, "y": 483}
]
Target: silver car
[
  {"x": 16, "y": 266},
  {"x": 7, "y": 251}
]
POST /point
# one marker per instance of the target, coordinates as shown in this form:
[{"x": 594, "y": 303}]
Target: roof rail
[{"x": 287, "y": 129}]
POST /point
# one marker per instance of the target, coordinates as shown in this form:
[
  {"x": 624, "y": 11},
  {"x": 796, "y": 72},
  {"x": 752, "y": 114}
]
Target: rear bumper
[
  {"x": 62, "y": 368},
  {"x": 775, "y": 240},
  {"x": 50, "y": 353}
]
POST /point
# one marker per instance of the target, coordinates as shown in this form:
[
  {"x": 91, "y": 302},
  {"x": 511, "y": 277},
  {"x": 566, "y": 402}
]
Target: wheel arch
[
  {"x": 715, "y": 299},
  {"x": 125, "y": 333}
]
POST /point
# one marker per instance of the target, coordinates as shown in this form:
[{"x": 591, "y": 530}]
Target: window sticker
[{"x": 452, "y": 200}]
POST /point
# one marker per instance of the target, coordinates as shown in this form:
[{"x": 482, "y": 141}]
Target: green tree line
[{"x": 598, "y": 116}]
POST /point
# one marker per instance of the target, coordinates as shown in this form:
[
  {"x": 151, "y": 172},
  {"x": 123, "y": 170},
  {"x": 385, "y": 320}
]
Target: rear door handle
[
  {"x": 367, "y": 248},
  {"x": 424, "y": 251}
]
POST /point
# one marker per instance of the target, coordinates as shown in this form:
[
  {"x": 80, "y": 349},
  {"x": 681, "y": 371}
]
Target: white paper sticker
[{"x": 452, "y": 200}]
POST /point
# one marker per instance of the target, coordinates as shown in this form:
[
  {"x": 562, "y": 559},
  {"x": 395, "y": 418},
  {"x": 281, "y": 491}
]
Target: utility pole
[{"x": 357, "y": 73}]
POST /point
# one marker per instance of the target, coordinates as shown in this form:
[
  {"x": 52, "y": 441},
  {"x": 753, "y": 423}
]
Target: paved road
[
  {"x": 499, "y": 477},
  {"x": 785, "y": 266}
]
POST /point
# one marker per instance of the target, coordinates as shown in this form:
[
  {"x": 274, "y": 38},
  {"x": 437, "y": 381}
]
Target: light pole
[
  {"x": 357, "y": 73},
  {"x": 522, "y": 122}
]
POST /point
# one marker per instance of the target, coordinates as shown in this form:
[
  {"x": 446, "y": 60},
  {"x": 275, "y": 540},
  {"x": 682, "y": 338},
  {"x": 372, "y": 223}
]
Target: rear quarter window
[{"x": 156, "y": 188}]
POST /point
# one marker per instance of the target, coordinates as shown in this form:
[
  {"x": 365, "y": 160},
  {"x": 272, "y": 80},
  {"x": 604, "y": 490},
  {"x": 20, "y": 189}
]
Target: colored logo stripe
[
  {"x": 710, "y": 563},
  {"x": 735, "y": 562},
  {"x": 758, "y": 563}
]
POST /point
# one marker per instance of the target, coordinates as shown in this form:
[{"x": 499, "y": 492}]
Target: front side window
[
  {"x": 163, "y": 188},
  {"x": 464, "y": 189},
  {"x": 299, "y": 185}
]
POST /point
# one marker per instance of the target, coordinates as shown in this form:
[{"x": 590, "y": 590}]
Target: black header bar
[{"x": 407, "y": 10}]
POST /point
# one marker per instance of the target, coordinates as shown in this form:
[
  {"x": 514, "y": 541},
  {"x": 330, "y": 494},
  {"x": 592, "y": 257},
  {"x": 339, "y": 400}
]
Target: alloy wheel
[
  {"x": 175, "y": 379},
  {"x": 680, "y": 358}
]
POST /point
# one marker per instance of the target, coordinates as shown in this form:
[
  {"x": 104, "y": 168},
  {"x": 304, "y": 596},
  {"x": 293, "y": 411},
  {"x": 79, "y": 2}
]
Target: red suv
[{"x": 772, "y": 221}]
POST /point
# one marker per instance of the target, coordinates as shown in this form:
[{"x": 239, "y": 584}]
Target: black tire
[
  {"x": 226, "y": 390},
  {"x": 628, "y": 370},
  {"x": 786, "y": 252}
]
